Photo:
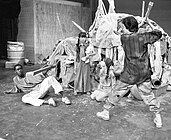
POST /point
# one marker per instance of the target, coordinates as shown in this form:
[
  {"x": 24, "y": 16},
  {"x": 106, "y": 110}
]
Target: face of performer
[
  {"x": 103, "y": 67},
  {"x": 19, "y": 71},
  {"x": 83, "y": 41},
  {"x": 123, "y": 29}
]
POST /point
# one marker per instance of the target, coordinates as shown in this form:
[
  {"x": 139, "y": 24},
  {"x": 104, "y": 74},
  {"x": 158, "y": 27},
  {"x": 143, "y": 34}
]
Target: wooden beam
[{"x": 43, "y": 69}]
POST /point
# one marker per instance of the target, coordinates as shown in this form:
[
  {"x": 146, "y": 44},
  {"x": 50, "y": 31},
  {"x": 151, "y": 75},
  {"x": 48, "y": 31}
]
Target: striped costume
[{"x": 136, "y": 67}]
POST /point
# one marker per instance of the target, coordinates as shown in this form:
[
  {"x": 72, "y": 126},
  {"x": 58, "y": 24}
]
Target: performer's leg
[
  {"x": 51, "y": 81},
  {"x": 58, "y": 89},
  {"x": 147, "y": 95},
  {"x": 118, "y": 92},
  {"x": 31, "y": 98},
  {"x": 149, "y": 99},
  {"x": 34, "y": 97}
]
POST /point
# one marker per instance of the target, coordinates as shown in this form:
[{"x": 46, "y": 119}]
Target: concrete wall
[
  {"x": 26, "y": 28},
  {"x": 54, "y": 22},
  {"x": 44, "y": 22}
]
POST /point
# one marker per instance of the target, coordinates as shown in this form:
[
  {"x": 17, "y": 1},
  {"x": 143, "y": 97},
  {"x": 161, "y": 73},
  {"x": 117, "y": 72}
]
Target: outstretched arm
[
  {"x": 44, "y": 70},
  {"x": 153, "y": 36},
  {"x": 14, "y": 90}
]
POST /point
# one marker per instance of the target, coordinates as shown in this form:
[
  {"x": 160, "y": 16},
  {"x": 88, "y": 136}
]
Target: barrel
[{"x": 15, "y": 52}]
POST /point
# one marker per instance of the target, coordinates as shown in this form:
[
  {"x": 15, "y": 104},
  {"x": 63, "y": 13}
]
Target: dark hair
[
  {"x": 81, "y": 34},
  {"x": 130, "y": 23},
  {"x": 17, "y": 66},
  {"x": 108, "y": 63}
]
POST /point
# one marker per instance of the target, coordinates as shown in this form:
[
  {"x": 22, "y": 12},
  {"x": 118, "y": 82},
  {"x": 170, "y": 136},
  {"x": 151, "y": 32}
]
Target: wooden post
[
  {"x": 43, "y": 69},
  {"x": 143, "y": 6},
  {"x": 78, "y": 26},
  {"x": 150, "y": 5}
]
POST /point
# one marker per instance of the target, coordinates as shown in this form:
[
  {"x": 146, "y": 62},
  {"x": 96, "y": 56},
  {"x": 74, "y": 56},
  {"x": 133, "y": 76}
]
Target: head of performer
[
  {"x": 82, "y": 41},
  {"x": 129, "y": 25},
  {"x": 18, "y": 69},
  {"x": 82, "y": 38}
]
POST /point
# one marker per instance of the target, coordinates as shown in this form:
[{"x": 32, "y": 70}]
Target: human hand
[
  {"x": 143, "y": 22},
  {"x": 75, "y": 69},
  {"x": 8, "y": 92},
  {"x": 84, "y": 58},
  {"x": 31, "y": 73}
]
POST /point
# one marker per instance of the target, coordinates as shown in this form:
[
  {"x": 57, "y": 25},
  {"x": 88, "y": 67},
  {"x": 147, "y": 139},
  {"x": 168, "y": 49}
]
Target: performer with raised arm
[
  {"x": 35, "y": 85},
  {"x": 136, "y": 68}
]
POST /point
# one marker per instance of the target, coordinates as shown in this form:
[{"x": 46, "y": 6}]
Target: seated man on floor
[{"x": 36, "y": 87}]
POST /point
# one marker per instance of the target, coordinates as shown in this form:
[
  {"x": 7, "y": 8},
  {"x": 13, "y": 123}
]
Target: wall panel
[
  {"x": 54, "y": 22},
  {"x": 43, "y": 22},
  {"x": 26, "y": 28}
]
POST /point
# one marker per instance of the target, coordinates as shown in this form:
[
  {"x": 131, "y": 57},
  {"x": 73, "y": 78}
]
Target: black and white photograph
[{"x": 85, "y": 69}]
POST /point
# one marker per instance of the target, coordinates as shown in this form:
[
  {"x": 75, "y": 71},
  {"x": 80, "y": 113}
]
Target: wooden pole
[
  {"x": 43, "y": 69},
  {"x": 48, "y": 67},
  {"x": 78, "y": 26},
  {"x": 143, "y": 6},
  {"x": 150, "y": 5}
]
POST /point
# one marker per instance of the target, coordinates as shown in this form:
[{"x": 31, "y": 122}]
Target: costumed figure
[
  {"x": 82, "y": 69},
  {"x": 136, "y": 68},
  {"x": 107, "y": 80},
  {"x": 35, "y": 85}
]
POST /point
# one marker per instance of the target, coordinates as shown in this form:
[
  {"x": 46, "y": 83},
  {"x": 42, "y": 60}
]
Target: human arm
[
  {"x": 90, "y": 52},
  {"x": 151, "y": 37},
  {"x": 44, "y": 70},
  {"x": 14, "y": 90},
  {"x": 75, "y": 66}
]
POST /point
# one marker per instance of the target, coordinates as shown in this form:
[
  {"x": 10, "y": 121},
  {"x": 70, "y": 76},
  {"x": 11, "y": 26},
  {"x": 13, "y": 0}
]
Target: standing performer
[
  {"x": 136, "y": 68},
  {"x": 82, "y": 68}
]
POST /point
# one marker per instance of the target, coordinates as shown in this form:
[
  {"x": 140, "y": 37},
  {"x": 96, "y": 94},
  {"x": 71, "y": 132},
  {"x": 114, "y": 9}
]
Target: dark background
[{"x": 9, "y": 12}]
